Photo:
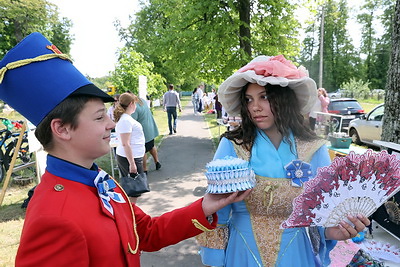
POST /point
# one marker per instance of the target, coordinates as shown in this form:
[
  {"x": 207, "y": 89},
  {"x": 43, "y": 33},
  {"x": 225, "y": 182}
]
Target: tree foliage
[
  {"x": 129, "y": 67},
  {"x": 188, "y": 40},
  {"x": 376, "y": 47},
  {"x": 100, "y": 82},
  {"x": 340, "y": 58},
  {"x": 19, "y": 18}
]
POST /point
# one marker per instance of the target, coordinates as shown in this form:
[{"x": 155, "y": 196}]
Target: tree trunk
[
  {"x": 244, "y": 30},
  {"x": 391, "y": 121}
]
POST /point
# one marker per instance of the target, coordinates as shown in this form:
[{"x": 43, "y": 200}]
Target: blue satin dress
[{"x": 255, "y": 240}]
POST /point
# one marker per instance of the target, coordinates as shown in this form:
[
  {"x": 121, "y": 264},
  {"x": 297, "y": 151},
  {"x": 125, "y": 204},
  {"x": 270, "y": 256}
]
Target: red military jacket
[{"x": 67, "y": 225}]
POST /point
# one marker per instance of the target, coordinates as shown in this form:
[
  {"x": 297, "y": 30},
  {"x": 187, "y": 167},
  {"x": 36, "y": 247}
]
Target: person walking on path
[
  {"x": 144, "y": 116},
  {"x": 170, "y": 101}
]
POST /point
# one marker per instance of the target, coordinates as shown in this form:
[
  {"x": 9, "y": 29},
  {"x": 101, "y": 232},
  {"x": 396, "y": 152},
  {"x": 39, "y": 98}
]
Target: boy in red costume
[{"x": 79, "y": 216}]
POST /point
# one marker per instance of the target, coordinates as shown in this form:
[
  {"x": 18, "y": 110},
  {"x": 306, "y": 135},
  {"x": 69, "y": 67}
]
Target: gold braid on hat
[{"x": 23, "y": 62}]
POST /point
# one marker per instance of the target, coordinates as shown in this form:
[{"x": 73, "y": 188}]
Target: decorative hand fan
[
  {"x": 351, "y": 185},
  {"x": 384, "y": 251}
]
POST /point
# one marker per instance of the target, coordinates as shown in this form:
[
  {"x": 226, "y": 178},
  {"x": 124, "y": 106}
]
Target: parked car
[
  {"x": 378, "y": 91},
  {"x": 337, "y": 94},
  {"x": 347, "y": 108},
  {"x": 368, "y": 127}
]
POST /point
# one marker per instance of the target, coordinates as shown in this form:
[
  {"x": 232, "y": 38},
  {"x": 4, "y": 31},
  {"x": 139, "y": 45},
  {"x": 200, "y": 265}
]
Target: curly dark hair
[{"x": 287, "y": 117}]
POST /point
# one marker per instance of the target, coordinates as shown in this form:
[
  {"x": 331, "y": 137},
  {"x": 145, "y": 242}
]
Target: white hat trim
[{"x": 228, "y": 93}]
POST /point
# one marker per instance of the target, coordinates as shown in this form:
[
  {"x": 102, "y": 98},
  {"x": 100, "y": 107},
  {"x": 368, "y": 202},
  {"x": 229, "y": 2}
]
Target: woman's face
[
  {"x": 133, "y": 107},
  {"x": 259, "y": 107}
]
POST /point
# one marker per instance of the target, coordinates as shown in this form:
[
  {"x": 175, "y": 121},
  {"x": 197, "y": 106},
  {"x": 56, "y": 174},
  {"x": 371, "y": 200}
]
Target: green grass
[
  {"x": 215, "y": 129},
  {"x": 11, "y": 222},
  {"x": 368, "y": 106}
]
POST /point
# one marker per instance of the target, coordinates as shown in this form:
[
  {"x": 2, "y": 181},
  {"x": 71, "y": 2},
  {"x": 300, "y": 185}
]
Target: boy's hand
[{"x": 214, "y": 202}]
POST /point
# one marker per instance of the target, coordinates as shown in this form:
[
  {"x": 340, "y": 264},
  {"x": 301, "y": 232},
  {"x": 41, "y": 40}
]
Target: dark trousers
[
  {"x": 171, "y": 112},
  {"x": 200, "y": 106},
  {"x": 219, "y": 114},
  {"x": 123, "y": 165},
  {"x": 312, "y": 122}
]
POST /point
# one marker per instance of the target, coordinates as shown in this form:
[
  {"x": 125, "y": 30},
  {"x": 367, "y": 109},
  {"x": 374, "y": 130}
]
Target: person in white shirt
[
  {"x": 211, "y": 95},
  {"x": 200, "y": 94},
  {"x": 195, "y": 101},
  {"x": 131, "y": 147}
]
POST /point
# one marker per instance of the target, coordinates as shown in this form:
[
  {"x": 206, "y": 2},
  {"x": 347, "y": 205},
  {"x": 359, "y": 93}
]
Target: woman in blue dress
[{"x": 271, "y": 95}]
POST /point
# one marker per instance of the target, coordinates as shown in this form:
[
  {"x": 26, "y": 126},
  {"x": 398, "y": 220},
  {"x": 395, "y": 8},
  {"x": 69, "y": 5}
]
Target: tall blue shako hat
[{"x": 35, "y": 77}]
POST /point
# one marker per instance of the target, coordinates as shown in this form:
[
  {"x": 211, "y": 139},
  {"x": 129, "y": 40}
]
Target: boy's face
[{"x": 91, "y": 138}]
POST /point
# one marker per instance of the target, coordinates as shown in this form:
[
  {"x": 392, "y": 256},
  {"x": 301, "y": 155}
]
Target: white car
[
  {"x": 337, "y": 94},
  {"x": 368, "y": 127}
]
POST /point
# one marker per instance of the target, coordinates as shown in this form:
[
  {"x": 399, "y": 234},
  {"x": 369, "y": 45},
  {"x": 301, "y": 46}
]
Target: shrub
[{"x": 357, "y": 88}]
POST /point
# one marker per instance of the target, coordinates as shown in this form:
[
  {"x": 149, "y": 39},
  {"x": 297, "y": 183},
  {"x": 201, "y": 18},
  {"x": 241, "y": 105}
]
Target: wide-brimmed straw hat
[{"x": 265, "y": 70}]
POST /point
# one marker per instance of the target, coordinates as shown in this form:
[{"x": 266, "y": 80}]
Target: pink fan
[
  {"x": 351, "y": 185},
  {"x": 384, "y": 251}
]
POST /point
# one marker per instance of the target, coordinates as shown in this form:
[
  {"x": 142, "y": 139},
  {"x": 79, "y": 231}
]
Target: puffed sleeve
[{"x": 320, "y": 159}]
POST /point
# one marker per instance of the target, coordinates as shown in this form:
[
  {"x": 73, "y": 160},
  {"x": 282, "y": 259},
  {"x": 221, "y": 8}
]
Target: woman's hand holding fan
[{"x": 351, "y": 186}]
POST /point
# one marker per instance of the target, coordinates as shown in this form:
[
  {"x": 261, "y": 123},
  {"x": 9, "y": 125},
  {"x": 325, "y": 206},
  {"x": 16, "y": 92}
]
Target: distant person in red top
[
  {"x": 324, "y": 98},
  {"x": 79, "y": 215}
]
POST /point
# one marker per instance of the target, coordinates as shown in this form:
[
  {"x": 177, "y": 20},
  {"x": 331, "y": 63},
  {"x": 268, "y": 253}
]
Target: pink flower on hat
[{"x": 277, "y": 66}]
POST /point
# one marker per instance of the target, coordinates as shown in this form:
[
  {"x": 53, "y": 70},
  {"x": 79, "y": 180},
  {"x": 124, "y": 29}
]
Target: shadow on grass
[{"x": 11, "y": 212}]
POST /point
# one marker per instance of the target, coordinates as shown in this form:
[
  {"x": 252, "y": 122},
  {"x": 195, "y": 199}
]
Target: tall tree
[
  {"x": 340, "y": 58},
  {"x": 368, "y": 32},
  {"x": 188, "y": 39},
  {"x": 377, "y": 61},
  {"x": 391, "y": 121},
  {"x": 20, "y": 18}
]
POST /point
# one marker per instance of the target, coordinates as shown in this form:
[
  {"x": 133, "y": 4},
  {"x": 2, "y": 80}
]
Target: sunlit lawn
[{"x": 368, "y": 106}]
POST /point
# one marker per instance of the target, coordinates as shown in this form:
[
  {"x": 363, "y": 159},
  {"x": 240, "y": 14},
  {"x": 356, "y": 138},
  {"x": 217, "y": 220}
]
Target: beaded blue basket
[{"x": 229, "y": 175}]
